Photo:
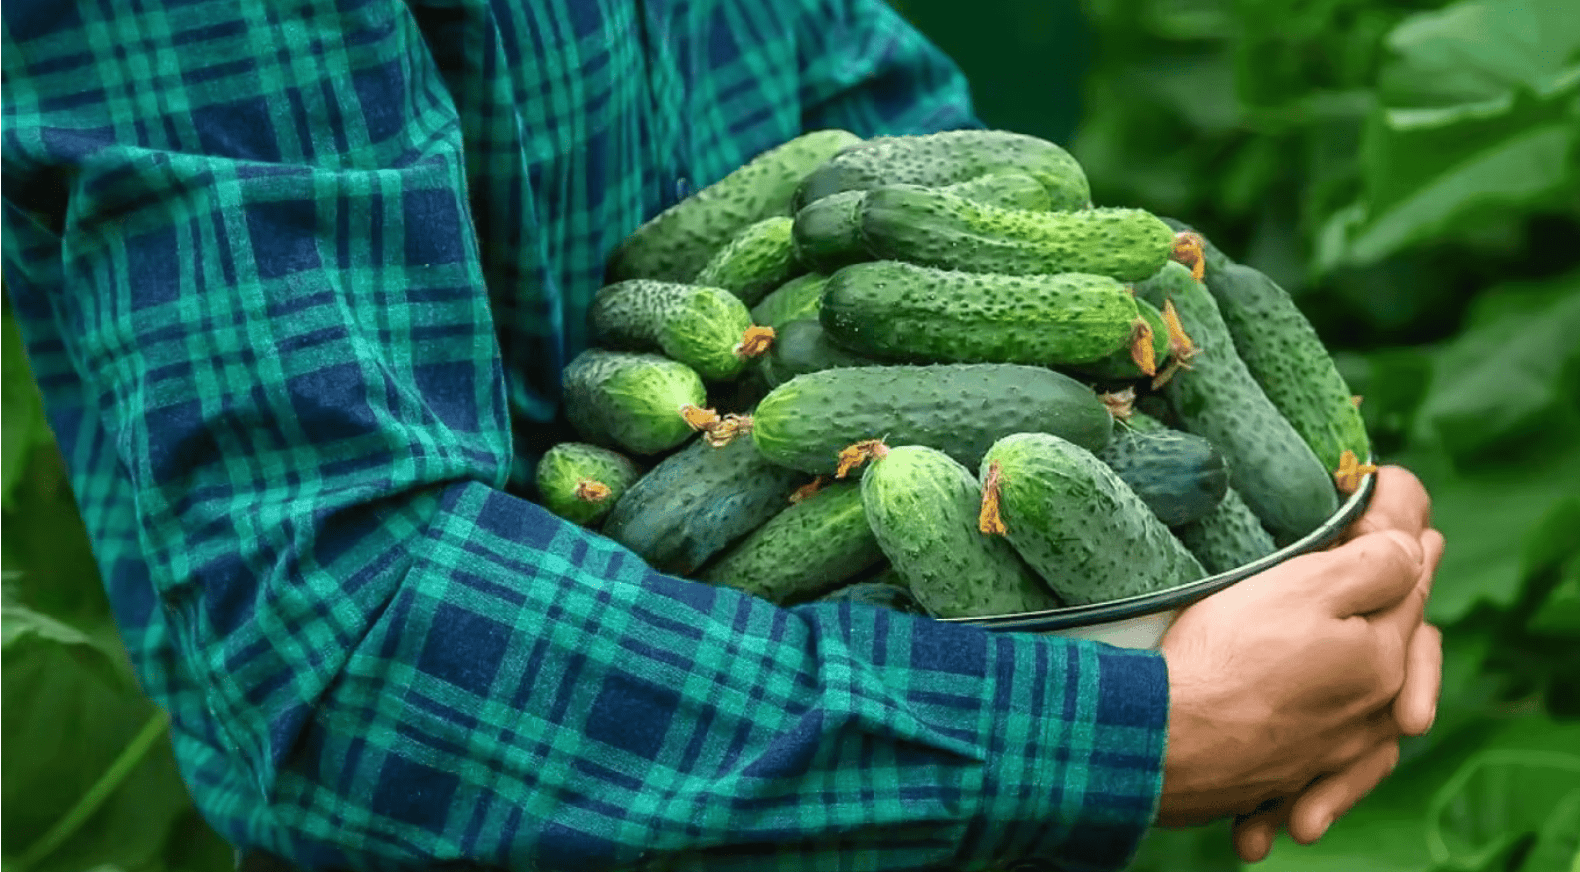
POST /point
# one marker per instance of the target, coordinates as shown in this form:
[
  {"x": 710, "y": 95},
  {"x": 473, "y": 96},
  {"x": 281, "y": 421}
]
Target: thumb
[{"x": 1373, "y": 572}]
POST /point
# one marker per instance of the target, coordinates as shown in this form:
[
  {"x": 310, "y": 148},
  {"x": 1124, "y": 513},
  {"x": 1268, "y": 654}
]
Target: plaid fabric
[{"x": 297, "y": 280}]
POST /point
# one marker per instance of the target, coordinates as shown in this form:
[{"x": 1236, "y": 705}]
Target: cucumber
[
  {"x": 1120, "y": 364},
  {"x": 807, "y": 549},
  {"x": 1228, "y": 537},
  {"x": 937, "y": 228},
  {"x": 923, "y": 506},
  {"x": 696, "y": 502},
  {"x": 883, "y": 594},
  {"x": 802, "y": 347},
  {"x": 1216, "y": 397},
  {"x": 678, "y": 242},
  {"x": 1010, "y": 190},
  {"x": 1078, "y": 525},
  {"x": 960, "y": 409},
  {"x": 754, "y": 261},
  {"x": 1285, "y": 355},
  {"x": 947, "y": 157},
  {"x": 903, "y": 312},
  {"x": 826, "y": 234},
  {"x": 582, "y": 482},
  {"x": 796, "y": 299},
  {"x": 1180, "y": 476},
  {"x": 630, "y": 400},
  {"x": 702, "y": 327}
]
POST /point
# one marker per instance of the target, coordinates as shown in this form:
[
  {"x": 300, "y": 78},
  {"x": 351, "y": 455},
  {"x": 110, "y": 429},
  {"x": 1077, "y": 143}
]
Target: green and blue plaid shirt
[{"x": 298, "y": 279}]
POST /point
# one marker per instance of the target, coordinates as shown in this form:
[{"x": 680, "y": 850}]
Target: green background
[{"x": 1410, "y": 171}]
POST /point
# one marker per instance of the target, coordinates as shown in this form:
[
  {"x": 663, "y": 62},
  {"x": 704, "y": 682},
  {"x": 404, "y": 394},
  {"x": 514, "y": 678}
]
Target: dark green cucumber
[
  {"x": 630, "y": 400},
  {"x": 754, "y": 261},
  {"x": 696, "y": 502},
  {"x": 1180, "y": 476},
  {"x": 917, "y": 314},
  {"x": 700, "y": 326},
  {"x": 883, "y": 594},
  {"x": 826, "y": 234},
  {"x": 1216, "y": 397},
  {"x": 807, "y": 549},
  {"x": 960, "y": 409},
  {"x": 1228, "y": 537},
  {"x": 948, "y": 157},
  {"x": 677, "y": 243},
  {"x": 937, "y": 228},
  {"x": 1120, "y": 365},
  {"x": 1078, "y": 525},
  {"x": 1287, "y": 358},
  {"x": 802, "y": 347},
  {"x": 796, "y": 299},
  {"x": 582, "y": 482},
  {"x": 923, "y": 505}
]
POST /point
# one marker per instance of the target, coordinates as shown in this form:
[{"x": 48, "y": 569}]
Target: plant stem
[{"x": 95, "y": 795}]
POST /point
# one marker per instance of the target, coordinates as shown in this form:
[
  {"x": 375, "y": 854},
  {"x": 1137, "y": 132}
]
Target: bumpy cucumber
[
  {"x": 884, "y": 594},
  {"x": 960, "y": 409},
  {"x": 696, "y": 502},
  {"x": 904, "y": 312},
  {"x": 923, "y": 506},
  {"x": 1216, "y": 397},
  {"x": 805, "y": 550},
  {"x": 1228, "y": 537},
  {"x": 677, "y": 243},
  {"x": 1120, "y": 364},
  {"x": 1078, "y": 525},
  {"x": 1287, "y": 358},
  {"x": 1010, "y": 190},
  {"x": 948, "y": 157},
  {"x": 582, "y": 482},
  {"x": 754, "y": 261},
  {"x": 792, "y": 301},
  {"x": 630, "y": 400},
  {"x": 937, "y": 228},
  {"x": 802, "y": 347},
  {"x": 826, "y": 234},
  {"x": 700, "y": 326},
  {"x": 1179, "y": 476}
]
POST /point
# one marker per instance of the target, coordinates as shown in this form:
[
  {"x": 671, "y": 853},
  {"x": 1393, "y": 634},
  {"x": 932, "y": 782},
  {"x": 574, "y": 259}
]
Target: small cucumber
[
  {"x": 960, "y": 409},
  {"x": 1228, "y": 537},
  {"x": 937, "y": 228},
  {"x": 1216, "y": 397},
  {"x": 754, "y": 261},
  {"x": 948, "y": 157},
  {"x": 702, "y": 327},
  {"x": 904, "y": 312},
  {"x": 678, "y": 242},
  {"x": 1120, "y": 365},
  {"x": 1180, "y": 476},
  {"x": 1010, "y": 190},
  {"x": 826, "y": 234},
  {"x": 696, "y": 502},
  {"x": 630, "y": 400},
  {"x": 1078, "y": 525},
  {"x": 582, "y": 482},
  {"x": 796, "y": 299},
  {"x": 802, "y": 347},
  {"x": 805, "y": 550},
  {"x": 923, "y": 508}
]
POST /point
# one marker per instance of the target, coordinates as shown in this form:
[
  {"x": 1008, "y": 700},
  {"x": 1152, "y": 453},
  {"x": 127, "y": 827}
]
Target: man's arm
[{"x": 269, "y": 289}]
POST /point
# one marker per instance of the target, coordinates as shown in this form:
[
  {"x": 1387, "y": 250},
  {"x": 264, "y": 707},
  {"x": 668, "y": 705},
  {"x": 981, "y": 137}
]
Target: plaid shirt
[{"x": 298, "y": 279}]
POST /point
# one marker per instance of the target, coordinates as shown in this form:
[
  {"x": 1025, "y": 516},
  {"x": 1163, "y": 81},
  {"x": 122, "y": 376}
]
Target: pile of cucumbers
[{"x": 924, "y": 372}]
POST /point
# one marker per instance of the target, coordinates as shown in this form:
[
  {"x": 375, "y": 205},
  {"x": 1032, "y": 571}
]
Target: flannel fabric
[{"x": 298, "y": 279}]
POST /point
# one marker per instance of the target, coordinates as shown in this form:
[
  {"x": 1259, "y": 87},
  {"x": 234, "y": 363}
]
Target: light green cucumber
[
  {"x": 923, "y": 506},
  {"x": 700, "y": 326},
  {"x": 796, "y": 299},
  {"x": 582, "y": 482},
  {"x": 1228, "y": 537},
  {"x": 630, "y": 400},
  {"x": 675, "y": 244},
  {"x": 1120, "y": 365},
  {"x": 1078, "y": 525},
  {"x": 754, "y": 261},
  {"x": 806, "y": 550}
]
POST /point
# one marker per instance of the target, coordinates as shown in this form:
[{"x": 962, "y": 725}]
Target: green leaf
[
  {"x": 22, "y": 423},
  {"x": 1559, "y": 614},
  {"x": 1557, "y": 847},
  {"x": 1497, "y": 793},
  {"x": 1199, "y": 849},
  {"x": 1480, "y": 50}
]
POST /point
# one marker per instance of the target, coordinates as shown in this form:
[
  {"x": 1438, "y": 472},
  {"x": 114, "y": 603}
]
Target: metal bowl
[{"x": 1140, "y": 621}]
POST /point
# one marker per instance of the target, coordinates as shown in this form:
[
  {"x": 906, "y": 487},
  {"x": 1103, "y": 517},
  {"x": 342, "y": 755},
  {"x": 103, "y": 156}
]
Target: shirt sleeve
[{"x": 269, "y": 286}]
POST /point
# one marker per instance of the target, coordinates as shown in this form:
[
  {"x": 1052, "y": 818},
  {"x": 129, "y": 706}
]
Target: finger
[
  {"x": 1405, "y": 616},
  {"x": 1316, "y": 809},
  {"x": 1399, "y": 502},
  {"x": 1416, "y": 706},
  {"x": 1371, "y": 573},
  {"x": 1253, "y": 833}
]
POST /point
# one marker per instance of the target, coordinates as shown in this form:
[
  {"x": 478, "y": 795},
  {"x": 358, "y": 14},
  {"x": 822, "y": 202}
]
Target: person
[{"x": 298, "y": 280}]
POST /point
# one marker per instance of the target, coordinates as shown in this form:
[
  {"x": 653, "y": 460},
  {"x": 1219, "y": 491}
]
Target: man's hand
[
  {"x": 1293, "y": 674},
  {"x": 1399, "y": 503}
]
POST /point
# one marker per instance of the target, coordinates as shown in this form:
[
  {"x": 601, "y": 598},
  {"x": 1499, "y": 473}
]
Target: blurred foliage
[{"x": 1409, "y": 170}]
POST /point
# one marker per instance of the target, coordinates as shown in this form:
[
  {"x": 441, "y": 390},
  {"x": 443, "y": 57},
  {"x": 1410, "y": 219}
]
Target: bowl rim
[{"x": 1177, "y": 597}]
